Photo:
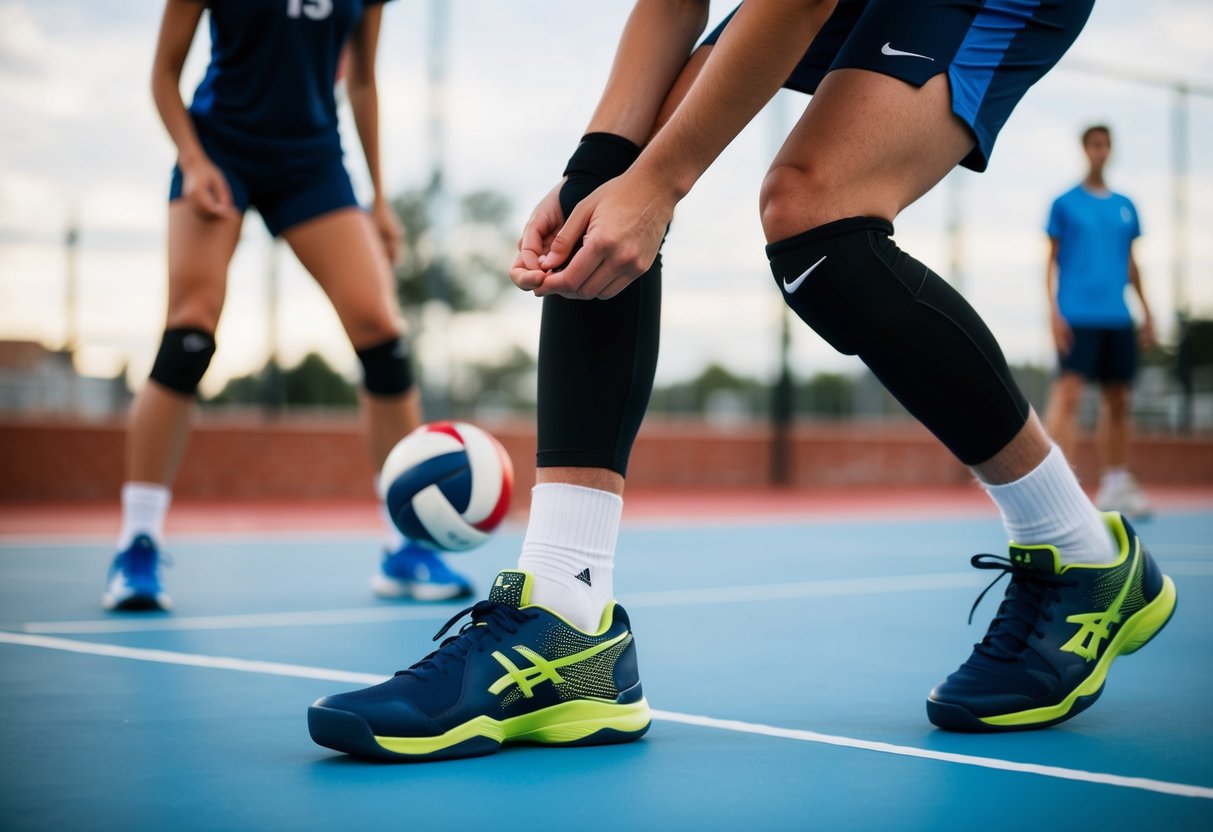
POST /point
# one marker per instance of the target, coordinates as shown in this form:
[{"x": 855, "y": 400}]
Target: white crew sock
[
  {"x": 144, "y": 506},
  {"x": 1048, "y": 506},
  {"x": 394, "y": 540},
  {"x": 572, "y": 533}
]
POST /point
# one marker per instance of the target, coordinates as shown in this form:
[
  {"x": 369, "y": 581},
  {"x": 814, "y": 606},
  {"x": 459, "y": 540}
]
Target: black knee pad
[
  {"x": 183, "y": 358},
  {"x": 597, "y": 358},
  {"x": 852, "y": 284},
  {"x": 387, "y": 368}
]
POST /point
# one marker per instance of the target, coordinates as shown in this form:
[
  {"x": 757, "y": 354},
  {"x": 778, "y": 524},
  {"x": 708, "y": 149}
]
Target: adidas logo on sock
[{"x": 584, "y": 576}]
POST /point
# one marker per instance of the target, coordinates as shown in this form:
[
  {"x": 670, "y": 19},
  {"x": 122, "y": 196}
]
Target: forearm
[
  {"x": 177, "y": 28},
  {"x": 1051, "y": 284},
  {"x": 1135, "y": 282},
  {"x": 653, "y": 49},
  {"x": 176, "y": 119},
  {"x": 364, "y": 101},
  {"x": 1051, "y": 275},
  {"x": 762, "y": 45}
]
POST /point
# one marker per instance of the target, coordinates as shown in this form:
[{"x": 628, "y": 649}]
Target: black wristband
[{"x": 603, "y": 155}]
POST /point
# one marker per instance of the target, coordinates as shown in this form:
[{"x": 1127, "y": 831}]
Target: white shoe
[{"x": 1125, "y": 496}]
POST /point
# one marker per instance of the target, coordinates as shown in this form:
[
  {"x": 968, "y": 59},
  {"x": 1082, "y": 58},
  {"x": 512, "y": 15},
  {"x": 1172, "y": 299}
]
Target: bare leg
[
  {"x": 843, "y": 161},
  {"x": 199, "y": 251},
  {"x": 1062, "y": 410},
  {"x": 1115, "y": 426},
  {"x": 345, "y": 257}
]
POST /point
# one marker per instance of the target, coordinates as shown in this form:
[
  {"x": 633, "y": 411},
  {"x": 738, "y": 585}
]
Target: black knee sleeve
[
  {"x": 387, "y": 369},
  {"x": 597, "y": 358},
  {"x": 930, "y": 349},
  {"x": 182, "y": 360}
]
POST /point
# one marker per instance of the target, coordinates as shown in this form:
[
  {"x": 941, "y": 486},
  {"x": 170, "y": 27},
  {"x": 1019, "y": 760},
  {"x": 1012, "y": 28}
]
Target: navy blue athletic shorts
[
  {"x": 992, "y": 51},
  {"x": 288, "y": 182},
  {"x": 1107, "y": 355}
]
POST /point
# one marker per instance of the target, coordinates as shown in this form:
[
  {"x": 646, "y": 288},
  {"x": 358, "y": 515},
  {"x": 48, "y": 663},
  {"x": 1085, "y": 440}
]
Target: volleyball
[{"x": 447, "y": 485}]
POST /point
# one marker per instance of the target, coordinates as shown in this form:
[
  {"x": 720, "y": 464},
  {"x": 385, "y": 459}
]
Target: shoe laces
[
  {"x": 490, "y": 620},
  {"x": 1028, "y": 605}
]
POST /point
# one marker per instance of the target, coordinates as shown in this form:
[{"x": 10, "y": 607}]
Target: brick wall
[{"x": 293, "y": 458}]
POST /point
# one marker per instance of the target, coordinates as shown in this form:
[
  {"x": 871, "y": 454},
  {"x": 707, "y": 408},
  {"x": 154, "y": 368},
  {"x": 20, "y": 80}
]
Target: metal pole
[
  {"x": 782, "y": 405},
  {"x": 1180, "y": 111},
  {"x": 955, "y": 194},
  {"x": 273, "y": 397},
  {"x": 71, "y": 322},
  {"x": 71, "y": 242},
  {"x": 439, "y": 309}
]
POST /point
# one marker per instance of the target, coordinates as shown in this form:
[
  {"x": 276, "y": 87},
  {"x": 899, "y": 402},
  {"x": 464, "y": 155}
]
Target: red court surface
[{"x": 59, "y": 520}]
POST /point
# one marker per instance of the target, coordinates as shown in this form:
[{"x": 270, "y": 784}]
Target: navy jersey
[{"x": 273, "y": 67}]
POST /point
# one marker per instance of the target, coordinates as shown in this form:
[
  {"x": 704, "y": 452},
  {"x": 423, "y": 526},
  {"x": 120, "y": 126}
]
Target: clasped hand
[{"x": 611, "y": 238}]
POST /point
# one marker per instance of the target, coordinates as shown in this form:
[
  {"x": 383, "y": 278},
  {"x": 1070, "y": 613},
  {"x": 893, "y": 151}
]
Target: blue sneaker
[
  {"x": 413, "y": 571},
  {"x": 516, "y": 672},
  {"x": 134, "y": 579},
  {"x": 1047, "y": 653}
]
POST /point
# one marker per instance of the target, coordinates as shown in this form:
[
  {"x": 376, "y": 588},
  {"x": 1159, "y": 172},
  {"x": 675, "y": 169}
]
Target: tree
[
  {"x": 479, "y": 246},
  {"x": 311, "y": 382}
]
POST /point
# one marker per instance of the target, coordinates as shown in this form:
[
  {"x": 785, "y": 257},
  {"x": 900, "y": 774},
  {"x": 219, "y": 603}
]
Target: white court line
[
  {"x": 1144, "y": 783},
  {"x": 331, "y": 675},
  {"x": 365, "y": 615},
  {"x": 657, "y": 598}
]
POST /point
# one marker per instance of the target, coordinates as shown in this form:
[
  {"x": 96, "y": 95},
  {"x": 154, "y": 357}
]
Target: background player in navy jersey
[
  {"x": 1091, "y": 233},
  {"x": 903, "y": 91},
  {"x": 262, "y": 131}
]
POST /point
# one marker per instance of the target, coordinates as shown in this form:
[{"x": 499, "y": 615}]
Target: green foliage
[
  {"x": 311, "y": 382},
  {"x": 506, "y": 385},
  {"x": 479, "y": 246},
  {"x": 827, "y": 394}
]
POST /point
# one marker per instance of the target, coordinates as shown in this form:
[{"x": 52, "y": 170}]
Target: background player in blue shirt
[
  {"x": 262, "y": 131},
  {"x": 1091, "y": 233}
]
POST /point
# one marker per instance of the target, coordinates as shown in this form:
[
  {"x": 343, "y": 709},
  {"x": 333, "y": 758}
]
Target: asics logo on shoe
[
  {"x": 541, "y": 669},
  {"x": 792, "y": 286},
  {"x": 1096, "y": 626},
  {"x": 888, "y": 49}
]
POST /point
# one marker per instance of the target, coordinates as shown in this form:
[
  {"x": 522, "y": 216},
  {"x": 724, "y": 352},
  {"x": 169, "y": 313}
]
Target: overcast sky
[{"x": 80, "y": 134}]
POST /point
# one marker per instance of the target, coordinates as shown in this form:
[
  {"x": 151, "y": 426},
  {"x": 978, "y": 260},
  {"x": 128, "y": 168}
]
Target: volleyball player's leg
[
  {"x": 341, "y": 250},
  {"x": 158, "y": 428}
]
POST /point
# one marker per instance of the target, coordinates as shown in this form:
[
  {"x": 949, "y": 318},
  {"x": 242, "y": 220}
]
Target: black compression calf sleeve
[
  {"x": 930, "y": 349},
  {"x": 597, "y": 358}
]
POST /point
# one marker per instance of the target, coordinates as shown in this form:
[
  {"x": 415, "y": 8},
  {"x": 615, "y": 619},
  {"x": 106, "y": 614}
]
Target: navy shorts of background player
[
  {"x": 266, "y": 112},
  {"x": 991, "y": 50},
  {"x": 1094, "y": 235}
]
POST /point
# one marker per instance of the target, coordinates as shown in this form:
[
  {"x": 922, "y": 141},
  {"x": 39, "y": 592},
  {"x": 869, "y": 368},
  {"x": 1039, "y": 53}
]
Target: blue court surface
[{"x": 789, "y": 662}]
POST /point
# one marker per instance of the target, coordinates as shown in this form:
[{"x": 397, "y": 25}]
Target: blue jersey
[
  {"x": 273, "y": 68},
  {"x": 1094, "y": 234}
]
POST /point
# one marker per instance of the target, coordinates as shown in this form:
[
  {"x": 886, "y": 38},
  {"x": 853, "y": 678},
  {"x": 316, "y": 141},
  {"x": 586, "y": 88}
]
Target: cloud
[{"x": 74, "y": 81}]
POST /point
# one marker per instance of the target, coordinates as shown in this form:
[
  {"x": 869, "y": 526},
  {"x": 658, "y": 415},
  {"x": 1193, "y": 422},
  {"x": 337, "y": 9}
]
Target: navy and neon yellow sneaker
[
  {"x": 1046, "y": 655},
  {"x": 516, "y": 672},
  {"x": 134, "y": 579}
]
